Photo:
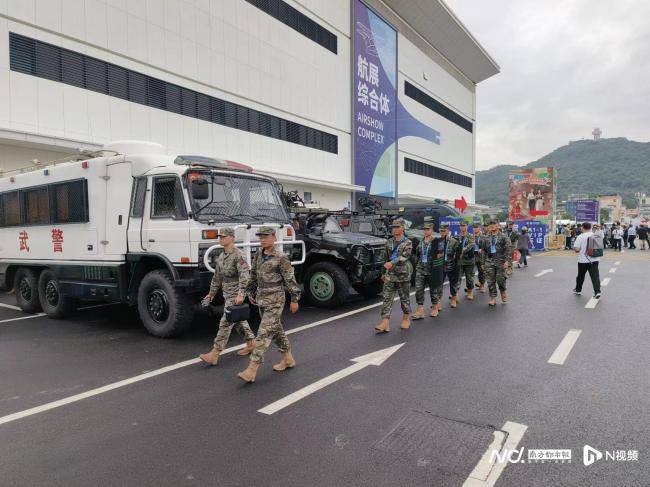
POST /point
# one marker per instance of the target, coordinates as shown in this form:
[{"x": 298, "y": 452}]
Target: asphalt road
[{"x": 426, "y": 416}]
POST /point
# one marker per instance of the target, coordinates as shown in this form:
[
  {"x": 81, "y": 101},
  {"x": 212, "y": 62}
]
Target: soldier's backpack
[{"x": 595, "y": 246}]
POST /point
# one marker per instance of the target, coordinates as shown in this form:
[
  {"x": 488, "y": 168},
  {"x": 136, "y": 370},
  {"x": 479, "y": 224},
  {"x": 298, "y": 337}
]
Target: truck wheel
[
  {"x": 165, "y": 312},
  {"x": 326, "y": 285},
  {"x": 26, "y": 287},
  {"x": 54, "y": 304}
]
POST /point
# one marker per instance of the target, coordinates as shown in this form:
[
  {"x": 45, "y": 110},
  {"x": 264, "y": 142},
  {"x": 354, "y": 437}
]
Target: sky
[{"x": 567, "y": 67}]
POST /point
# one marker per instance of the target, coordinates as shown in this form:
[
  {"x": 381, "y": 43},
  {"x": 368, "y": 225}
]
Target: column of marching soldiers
[{"x": 488, "y": 249}]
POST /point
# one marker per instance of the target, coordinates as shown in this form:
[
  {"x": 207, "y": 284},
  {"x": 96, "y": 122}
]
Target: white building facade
[{"x": 268, "y": 83}]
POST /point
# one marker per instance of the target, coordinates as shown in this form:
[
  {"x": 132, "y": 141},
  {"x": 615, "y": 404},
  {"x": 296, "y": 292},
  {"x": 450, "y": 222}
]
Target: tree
[{"x": 604, "y": 215}]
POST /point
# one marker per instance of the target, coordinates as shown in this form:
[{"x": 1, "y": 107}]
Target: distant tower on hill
[{"x": 596, "y": 133}]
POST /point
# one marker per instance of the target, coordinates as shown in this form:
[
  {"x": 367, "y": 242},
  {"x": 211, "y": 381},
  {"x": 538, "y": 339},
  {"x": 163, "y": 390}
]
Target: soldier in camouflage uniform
[
  {"x": 498, "y": 259},
  {"x": 466, "y": 259},
  {"x": 231, "y": 274},
  {"x": 423, "y": 257},
  {"x": 396, "y": 277},
  {"x": 451, "y": 253},
  {"x": 271, "y": 275},
  {"x": 479, "y": 257},
  {"x": 513, "y": 235},
  {"x": 437, "y": 270}
]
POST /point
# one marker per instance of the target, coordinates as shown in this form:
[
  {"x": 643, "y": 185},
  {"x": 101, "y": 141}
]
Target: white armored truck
[{"x": 130, "y": 224}]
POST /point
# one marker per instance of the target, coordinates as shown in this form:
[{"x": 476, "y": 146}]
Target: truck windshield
[{"x": 237, "y": 198}]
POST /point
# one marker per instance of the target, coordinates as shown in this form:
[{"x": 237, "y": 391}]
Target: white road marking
[
  {"x": 163, "y": 370},
  {"x": 612, "y": 270},
  {"x": 618, "y": 262},
  {"x": 545, "y": 271},
  {"x": 605, "y": 281},
  {"x": 592, "y": 303},
  {"x": 10, "y": 306},
  {"x": 564, "y": 348},
  {"x": 37, "y": 315},
  {"x": 374, "y": 358},
  {"x": 488, "y": 469}
]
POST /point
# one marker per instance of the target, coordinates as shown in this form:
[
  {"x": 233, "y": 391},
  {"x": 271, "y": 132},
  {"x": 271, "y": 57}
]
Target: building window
[
  {"x": 434, "y": 105},
  {"x": 37, "y": 58},
  {"x": 298, "y": 21},
  {"x": 433, "y": 172}
]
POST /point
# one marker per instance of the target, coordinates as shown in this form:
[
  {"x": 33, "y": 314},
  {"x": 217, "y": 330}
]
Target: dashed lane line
[
  {"x": 564, "y": 348},
  {"x": 10, "y": 306},
  {"x": 612, "y": 270},
  {"x": 38, "y": 315},
  {"x": 592, "y": 303},
  {"x": 606, "y": 281}
]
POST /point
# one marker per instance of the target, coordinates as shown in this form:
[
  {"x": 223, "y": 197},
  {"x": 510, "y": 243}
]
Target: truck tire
[
  {"x": 326, "y": 285},
  {"x": 165, "y": 312},
  {"x": 26, "y": 288},
  {"x": 54, "y": 304}
]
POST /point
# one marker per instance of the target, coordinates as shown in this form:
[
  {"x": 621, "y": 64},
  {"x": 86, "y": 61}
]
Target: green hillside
[{"x": 593, "y": 167}]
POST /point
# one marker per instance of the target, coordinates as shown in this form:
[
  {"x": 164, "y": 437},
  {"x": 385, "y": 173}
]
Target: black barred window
[
  {"x": 37, "y": 58},
  {"x": 434, "y": 105},
  {"x": 298, "y": 21},
  {"x": 433, "y": 172}
]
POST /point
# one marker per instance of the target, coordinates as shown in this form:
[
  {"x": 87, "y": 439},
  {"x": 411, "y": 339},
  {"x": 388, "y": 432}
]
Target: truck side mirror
[{"x": 200, "y": 189}]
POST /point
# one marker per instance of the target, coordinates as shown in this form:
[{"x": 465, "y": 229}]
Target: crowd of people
[
  {"x": 486, "y": 253},
  {"x": 615, "y": 236}
]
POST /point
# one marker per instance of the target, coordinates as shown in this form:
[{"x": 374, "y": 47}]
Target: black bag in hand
[{"x": 237, "y": 312}]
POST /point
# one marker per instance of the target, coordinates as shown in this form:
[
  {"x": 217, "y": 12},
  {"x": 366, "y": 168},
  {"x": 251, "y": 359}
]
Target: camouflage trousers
[
  {"x": 270, "y": 330},
  {"x": 403, "y": 289},
  {"x": 479, "y": 267},
  {"x": 496, "y": 276},
  {"x": 453, "y": 277},
  {"x": 467, "y": 270},
  {"x": 422, "y": 278}
]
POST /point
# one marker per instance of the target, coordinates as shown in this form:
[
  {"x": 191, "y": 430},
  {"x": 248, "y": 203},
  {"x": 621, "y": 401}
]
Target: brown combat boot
[
  {"x": 383, "y": 326},
  {"x": 493, "y": 301},
  {"x": 287, "y": 362},
  {"x": 248, "y": 375},
  {"x": 481, "y": 289},
  {"x": 504, "y": 297},
  {"x": 212, "y": 357},
  {"x": 453, "y": 301},
  {"x": 406, "y": 322},
  {"x": 248, "y": 349},
  {"x": 434, "y": 311},
  {"x": 419, "y": 312},
  {"x": 470, "y": 294}
]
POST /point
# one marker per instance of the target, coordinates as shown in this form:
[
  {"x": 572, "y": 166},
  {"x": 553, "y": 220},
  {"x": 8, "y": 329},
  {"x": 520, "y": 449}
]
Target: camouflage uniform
[
  {"x": 398, "y": 278},
  {"x": 513, "y": 236},
  {"x": 437, "y": 269},
  {"x": 271, "y": 274},
  {"x": 451, "y": 252},
  {"x": 466, "y": 260},
  {"x": 493, "y": 266},
  {"x": 479, "y": 257},
  {"x": 231, "y": 274},
  {"x": 423, "y": 270}
]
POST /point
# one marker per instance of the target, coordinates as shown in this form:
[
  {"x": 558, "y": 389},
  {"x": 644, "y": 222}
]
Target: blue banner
[
  {"x": 587, "y": 211},
  {"x": 537, "y": 231},
  {"x": 374, "y": 94}
]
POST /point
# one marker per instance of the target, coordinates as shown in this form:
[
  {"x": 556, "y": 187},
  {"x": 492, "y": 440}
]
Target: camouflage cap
[
  {"x": 463, "y": 223},
  {"x": 428, "y": 226},
  {"x": 444, "y": 226},
  {"x": 227, "y": 232},
  {"x": 265, "y": 231},
  {"x": 397, "y": 222}
]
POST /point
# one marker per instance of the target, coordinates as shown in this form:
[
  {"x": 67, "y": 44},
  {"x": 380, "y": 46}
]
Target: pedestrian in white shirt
[{"x": 585, "y": 262}]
